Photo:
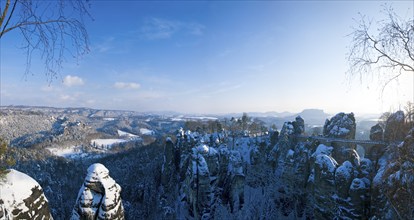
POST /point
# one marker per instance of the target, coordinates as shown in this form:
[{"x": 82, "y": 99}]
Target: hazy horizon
[
  {"x": 211, "y": 58},
  {"x": 252, "y": 114}
]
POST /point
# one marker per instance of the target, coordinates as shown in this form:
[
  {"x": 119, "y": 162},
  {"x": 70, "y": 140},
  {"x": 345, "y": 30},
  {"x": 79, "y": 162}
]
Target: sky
[{"x": 211, "y": 57}]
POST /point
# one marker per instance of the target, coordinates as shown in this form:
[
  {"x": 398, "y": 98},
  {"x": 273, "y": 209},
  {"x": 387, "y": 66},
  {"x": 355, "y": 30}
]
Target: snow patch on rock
[{"x": 22, "y": 197}]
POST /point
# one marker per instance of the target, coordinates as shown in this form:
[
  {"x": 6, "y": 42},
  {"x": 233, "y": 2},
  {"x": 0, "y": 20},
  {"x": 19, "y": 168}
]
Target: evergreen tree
[{"x": 5, "y": 159}]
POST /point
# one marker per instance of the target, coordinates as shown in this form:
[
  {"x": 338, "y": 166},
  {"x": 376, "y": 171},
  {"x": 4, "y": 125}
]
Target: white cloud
[
  {"x": 125, "y": 85},
  {"x": 70, "y": 81}
]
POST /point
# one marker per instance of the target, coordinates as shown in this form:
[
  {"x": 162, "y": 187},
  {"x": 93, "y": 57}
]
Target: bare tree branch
[
  {"x": 388, "y": 52},
  {"x": 8, "y": 19},
  {"x": 3, "y": 15},
  {"x": 51, "y": 29}
]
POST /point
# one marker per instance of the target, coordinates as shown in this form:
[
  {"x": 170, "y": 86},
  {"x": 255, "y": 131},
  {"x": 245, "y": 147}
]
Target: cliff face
[
  {"x": 393, "y": 182},
  {"x": 21, "y": 197},
  {"x": 322, "y": 181},
  {"x": 99, "y": 196},
  {"x": 202, "y": 177}
]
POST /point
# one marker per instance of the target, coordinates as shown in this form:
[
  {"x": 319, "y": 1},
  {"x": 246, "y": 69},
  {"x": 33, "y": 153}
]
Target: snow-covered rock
[
  {"x": 99, "y": 196},
  {"x": 343, "y": 178},
  {"x": 199, "y": 192},
  {"x": 21, "y": 197},
  {"x": 322, "y": 149},
  {"x": 376, "y": 133},
  {"x": 340, "y": 126},
  {"x": 394, "y": 180},
  {"x": 324, "y": 187}
]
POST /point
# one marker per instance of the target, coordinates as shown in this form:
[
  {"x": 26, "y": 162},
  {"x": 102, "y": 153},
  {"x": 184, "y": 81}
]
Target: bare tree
[
  {"x": 51, "y": 29},
  {"x": 388, "y": 49},
  {"x": 409, "y": 114}
]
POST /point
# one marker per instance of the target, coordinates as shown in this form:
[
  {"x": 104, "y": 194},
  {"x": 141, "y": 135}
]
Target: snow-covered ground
[
  {"x": 106, "y": 143},
  {"x": 145, "y": 131},
  {"x": 126, "y": 134},
  {"x": 186, "y": 118},
  {"x": 65, "y": 152},
  {"x": 73, "y": 152}
]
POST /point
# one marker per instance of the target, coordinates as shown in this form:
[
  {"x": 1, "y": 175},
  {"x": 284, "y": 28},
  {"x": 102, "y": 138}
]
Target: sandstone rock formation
[
  {"x": 340, "y": 126},
  {"x": 394, "y": 127},
  {"x": 329, "y": 181},
  {"x": 21, "y": 197},
  {"x": 393, "y": 183},
  {"x": 376, "y": 133},
  {"x": 99, "y": 196}
]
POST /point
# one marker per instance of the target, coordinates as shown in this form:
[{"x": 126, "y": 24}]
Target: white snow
[
  {"x": 126, "y": 134},
  {"x": 106, "y": 143},
  {"x": 187, "y": 118},
  {"x": 66, "y": 152},
  {"x": 382, "y": 162},
  {"x": 290, "y": 153},
  {"x": 201, "y": 167},
  {"x": 98, "y": 173},
  {"x": 322, "y": 149},
  {"x": 109, "y": 119},
  {"x": 145, "y": 131},
  {"x": 244, "y": 147},
  {"x": 16, "y": 187},
  {"x": 325, "y": 161},
  {"x": 346, "y": 170},
  {"x": 339, "y": 131},
  {"x": 203, "y": 148},
  {"x": 235, "y": 163}
]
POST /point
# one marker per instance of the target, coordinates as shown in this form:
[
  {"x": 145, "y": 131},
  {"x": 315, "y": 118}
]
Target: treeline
[{"x": 240, "y": 126}]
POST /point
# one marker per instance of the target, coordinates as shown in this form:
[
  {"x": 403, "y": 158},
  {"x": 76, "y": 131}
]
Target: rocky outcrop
[
  {"x": 323, "y": 183},
  {"x": 376, "y": 133},
  {"x": 299, "y": 125},
  {"x": 292, "y": 168},
  {"x": 208, "y": 177},
  {"x": 395, "y": 127},
  {"x": 340, "y": 126},
  {"x": 21, "y": 197},
  {"x": 236, "y": 180},
  {"x": 99, "y": 196},
  {"x": 168, "y": 166},
  {"x": 200, "y": 190},
  {"x": 332, "y": 178},
  {"x": 393, "y": 183}
]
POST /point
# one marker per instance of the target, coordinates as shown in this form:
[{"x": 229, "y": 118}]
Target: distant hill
[{"x": 313, "y": 116}]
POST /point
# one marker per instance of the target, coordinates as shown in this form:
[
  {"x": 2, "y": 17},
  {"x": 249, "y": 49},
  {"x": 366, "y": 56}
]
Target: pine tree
[{"x": 5, "y": 159}]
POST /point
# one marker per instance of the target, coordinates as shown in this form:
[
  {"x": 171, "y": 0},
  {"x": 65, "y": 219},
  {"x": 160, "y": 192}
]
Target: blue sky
[{"x": 210, "y": 57}]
